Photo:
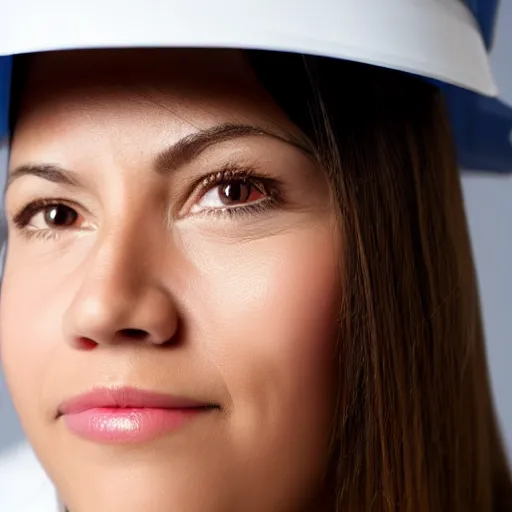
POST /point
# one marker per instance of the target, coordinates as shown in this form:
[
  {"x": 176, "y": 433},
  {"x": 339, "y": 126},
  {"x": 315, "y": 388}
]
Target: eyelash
[
  {"x": 22, "y": 219},
  {"x": 270, "y": 186}
]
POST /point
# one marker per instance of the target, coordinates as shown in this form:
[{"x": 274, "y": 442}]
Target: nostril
[
  {"x": 86, "y": 343},
  {"x": 134, "y": 334}
]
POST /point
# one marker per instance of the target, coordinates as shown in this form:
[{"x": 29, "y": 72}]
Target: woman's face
[{"x": 171, "y": 288}]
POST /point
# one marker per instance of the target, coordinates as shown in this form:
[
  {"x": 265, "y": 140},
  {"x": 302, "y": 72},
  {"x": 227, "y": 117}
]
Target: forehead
[
  {"x": 91, "y": 109},
  {"x": 138, "y": 93},
  {"x": 210, "y": 81}
]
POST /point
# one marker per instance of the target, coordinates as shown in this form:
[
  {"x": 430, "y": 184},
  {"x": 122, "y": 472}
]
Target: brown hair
[{"x": 416, "y": 429}]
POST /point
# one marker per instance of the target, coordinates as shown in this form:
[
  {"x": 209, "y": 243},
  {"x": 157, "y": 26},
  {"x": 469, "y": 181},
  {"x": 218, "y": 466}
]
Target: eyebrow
[
  {"x": 191, "y": 146},
  {"x": 179, "y": 154},
  {"x": 49, "y": 172}
]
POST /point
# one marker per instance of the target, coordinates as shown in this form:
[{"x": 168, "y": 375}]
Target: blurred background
[{"x": 489, "y": 208}]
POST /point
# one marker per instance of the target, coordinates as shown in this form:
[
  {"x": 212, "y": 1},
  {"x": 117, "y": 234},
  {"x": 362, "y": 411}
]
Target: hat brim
[{"x": 438, "y": 39}]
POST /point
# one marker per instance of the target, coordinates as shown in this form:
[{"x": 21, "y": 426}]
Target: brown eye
[
  {"x": 235, "y": 192},
  {"x": 60, "y": 216},
  {"x": 45, "y": 216},
  {"x": 230, "y": 194}
]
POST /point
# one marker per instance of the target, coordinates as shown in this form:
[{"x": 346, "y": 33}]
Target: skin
[{"x": 239, "y": 310}]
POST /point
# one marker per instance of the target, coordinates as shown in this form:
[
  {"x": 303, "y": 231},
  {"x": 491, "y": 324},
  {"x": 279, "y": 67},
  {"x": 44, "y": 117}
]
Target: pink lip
[{"x": 128, "y": 415}]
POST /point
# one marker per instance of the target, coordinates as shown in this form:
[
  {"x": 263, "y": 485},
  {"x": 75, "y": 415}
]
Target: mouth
[{"x": 128, "y": 415}]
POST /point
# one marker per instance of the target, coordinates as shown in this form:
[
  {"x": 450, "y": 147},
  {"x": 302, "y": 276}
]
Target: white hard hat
[{"x": 437, "y": 39}]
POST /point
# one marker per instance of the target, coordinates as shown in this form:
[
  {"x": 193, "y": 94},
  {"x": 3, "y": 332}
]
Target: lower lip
[{"x": 115, "y": 425}]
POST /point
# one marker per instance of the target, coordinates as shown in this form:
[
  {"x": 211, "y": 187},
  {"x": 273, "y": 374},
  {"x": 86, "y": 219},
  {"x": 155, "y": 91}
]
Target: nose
[{"x": 120, "y": 299}]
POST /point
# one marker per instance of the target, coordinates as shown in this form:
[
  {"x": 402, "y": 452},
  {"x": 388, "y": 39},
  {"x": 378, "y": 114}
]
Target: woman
[{"x": 249, "y": 285}]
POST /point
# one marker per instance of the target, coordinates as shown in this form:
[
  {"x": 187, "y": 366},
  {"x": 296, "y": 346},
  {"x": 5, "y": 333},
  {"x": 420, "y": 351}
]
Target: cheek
[
  {"x": 35, "y": 292},
  {"x": 273, "y": 311},
  {"x": 25, "y": 357}
]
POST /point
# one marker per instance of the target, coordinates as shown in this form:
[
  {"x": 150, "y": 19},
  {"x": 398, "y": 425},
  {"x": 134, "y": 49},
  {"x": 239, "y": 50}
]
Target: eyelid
[
  {"x": 32, "y": 208},
  {"x": 234, "y": 172},
  {"x": 229, "y": 172}
]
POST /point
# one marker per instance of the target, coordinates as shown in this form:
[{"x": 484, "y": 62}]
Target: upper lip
[{"x": 126, "y": 397}]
